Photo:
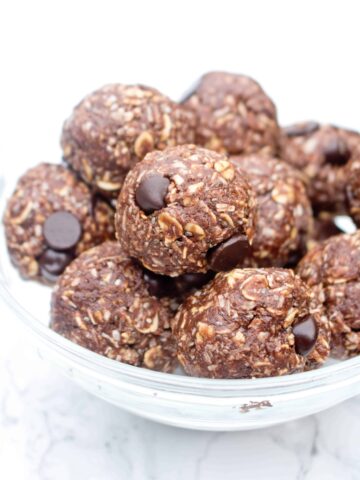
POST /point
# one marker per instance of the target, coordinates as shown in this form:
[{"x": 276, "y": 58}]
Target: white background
[{"x": 306, "y": 56}]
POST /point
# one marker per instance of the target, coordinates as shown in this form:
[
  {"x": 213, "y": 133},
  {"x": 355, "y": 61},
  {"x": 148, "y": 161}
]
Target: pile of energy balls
[{"x": 198, "y": 233}]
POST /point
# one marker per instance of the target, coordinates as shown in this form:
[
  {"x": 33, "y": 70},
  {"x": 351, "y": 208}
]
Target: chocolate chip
[
  {"x": 300, "y": 129},
  {"x": 150, "y": 194},
  {"x": 306, "y": 333},
  {"x": 53, "y": 263},
  {"x": 62, "y": 231},
  {"x": 189, "y": 281},
  {"x": 336, "y": 151},
  {"x": 229, "y": 254}
]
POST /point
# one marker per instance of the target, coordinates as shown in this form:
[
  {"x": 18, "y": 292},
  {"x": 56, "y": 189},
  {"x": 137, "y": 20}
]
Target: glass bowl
[{"x": 195, "y": 403}]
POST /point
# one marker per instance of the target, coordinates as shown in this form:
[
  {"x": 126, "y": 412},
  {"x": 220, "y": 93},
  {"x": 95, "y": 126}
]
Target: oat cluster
[
  {"x": 334, "y": 266},
  {"x": 322, "y": 152},
  {"x": 116, "y": 126},
  {"x": 233, "y": 114},
  {"x": 40, "y": 192},
  {"x": 207, "y": 201},
  {"x": 198, "y": 233},
  {"x": 102, "y": 303},
  {"x": 284, "y": 222},
  {"x": 242, "y": 325}
]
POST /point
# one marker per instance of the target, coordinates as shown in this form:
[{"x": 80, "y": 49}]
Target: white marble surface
[{"x": 52, "y": 430}]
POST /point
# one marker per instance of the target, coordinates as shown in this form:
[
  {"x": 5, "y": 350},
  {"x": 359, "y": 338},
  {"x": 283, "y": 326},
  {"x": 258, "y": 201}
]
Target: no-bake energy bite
[
  {"x": 352, "y": 176},
  {"x": 51, "y": 218},
  {"x": 114, "y": 127},
  {"x": 102, "y": 302},
  {"x": 251, "y": 323},
  {"x": 178, "y": 207},
  {"x": 198, "y": 232},
  {"x": 322, "y": 153},
  {"x": 234, "y": 114},
  {"x": 284, "y": 216},
  {"x": 335, "y": 265}
]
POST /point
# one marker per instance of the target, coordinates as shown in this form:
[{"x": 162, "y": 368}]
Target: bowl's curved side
[
  {"x": 195, "y": 403},
  {"x": 237, "y": 409}
]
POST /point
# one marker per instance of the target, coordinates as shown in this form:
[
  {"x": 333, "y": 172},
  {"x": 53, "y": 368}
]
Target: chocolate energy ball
[
  {"x": 251, "y": 323},
  {"x": 114, "y": 127},
  {"x": 177, "y": 207},
  {"x": 102, "y": 303},
  {"x": 234, "y": 114},
  {"x": 51, "y": 218},
  {"x": 284, "y": 216},
  {"x": 322, "y": 153},
  {"x": 335, "y": 264},
  {"x": 353, "y": 187}
]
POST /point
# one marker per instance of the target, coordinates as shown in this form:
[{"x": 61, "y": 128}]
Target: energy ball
[
  {"x": 322, "y": 153},
  {"x": 284, "y": 216},
  {"x": 50, "y": 219},
  {"x": 102, "y": 303},
  {"x": 353, "y": 187},
  {"x": 114, "y": 127},
  {"x": 178, "y": 206},
  {"x": 234, "y": 114},
  {"x": 251, "y": 323},
  {"x": 335, "y": 264}
]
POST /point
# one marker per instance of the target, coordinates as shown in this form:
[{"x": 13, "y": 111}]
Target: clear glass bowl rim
[{"x": 113, "y": 370}]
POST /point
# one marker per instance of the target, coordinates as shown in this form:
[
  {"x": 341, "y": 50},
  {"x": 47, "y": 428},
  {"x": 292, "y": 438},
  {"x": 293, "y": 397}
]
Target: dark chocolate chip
[
  {"x": 62, "y": 231},
  {"x": 159, "y": 285},
  {"x": 150, "y": 194},
  {"x": 336, "y": 151},
  {"x": 190, "y": 281},
  {"x": 229, "y": 254},
  {"x": 301, "y": 129},
  {"x": 53, "y": 263},
  {"x": 305, "y": 333}
]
